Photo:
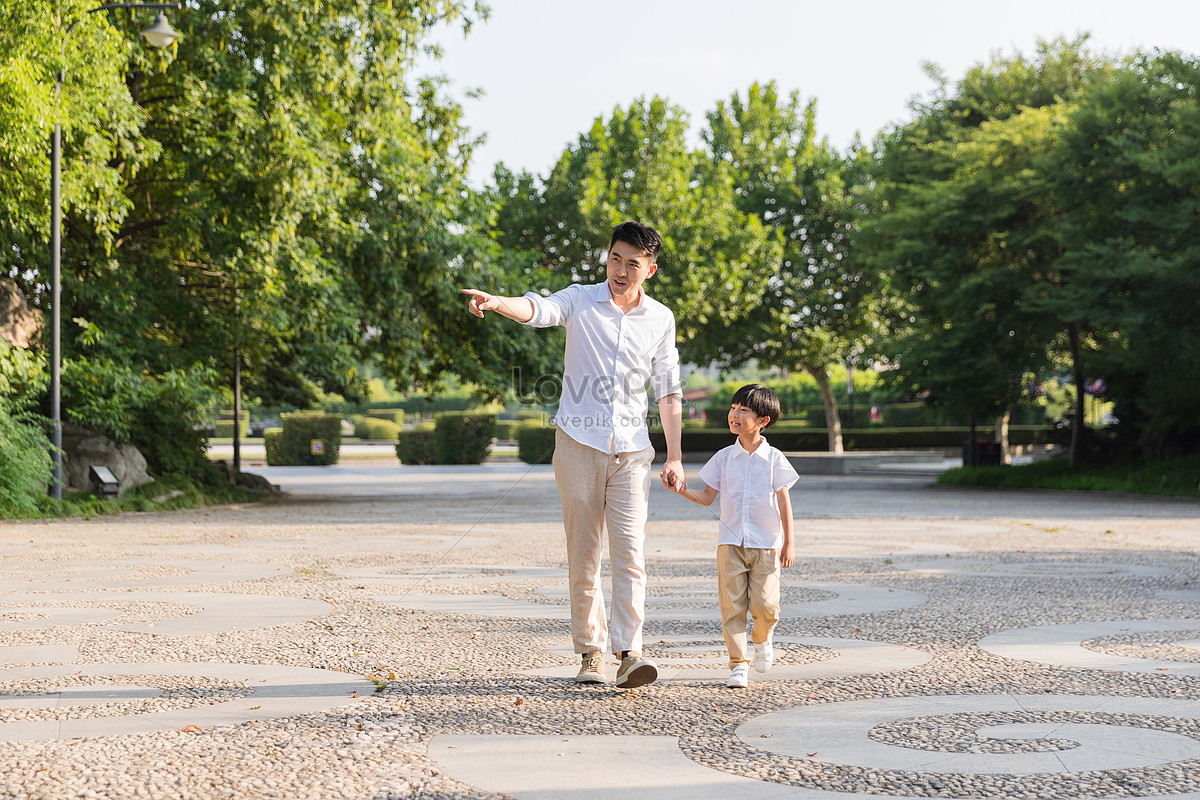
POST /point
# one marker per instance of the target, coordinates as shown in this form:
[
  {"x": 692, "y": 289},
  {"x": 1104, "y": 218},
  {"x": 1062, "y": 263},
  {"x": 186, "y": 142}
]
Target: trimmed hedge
[
  {"x": 395, "y": 415},
  {"x": 506, "y": 429},
  {"x": 816, "y": 439},
  {"x": 535, "y": 444},
  {"x": 373, "y": 428},
  {"x": 301, "y": 427},
  {"x": 462, "y": 437},
  {"x": 273, "y": 442},
  {"x": 416, "y": 446}
]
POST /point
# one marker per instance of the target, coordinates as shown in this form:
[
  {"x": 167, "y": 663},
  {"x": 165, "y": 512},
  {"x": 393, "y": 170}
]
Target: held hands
[
  {"x": 481, "y": 302},
  {"x": 673, "y": 477}
]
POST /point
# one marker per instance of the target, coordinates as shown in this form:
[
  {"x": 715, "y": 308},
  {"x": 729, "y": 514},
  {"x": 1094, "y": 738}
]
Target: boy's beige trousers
[
  {"x": 598, "y": 489},
  {"x": 747, "y": 580}
]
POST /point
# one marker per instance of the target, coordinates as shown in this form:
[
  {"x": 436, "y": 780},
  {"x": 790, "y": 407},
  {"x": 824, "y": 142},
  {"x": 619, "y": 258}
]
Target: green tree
[
  {"x": 818, "y": 299},
  {"x": 964, "y": 222},
  {"x": 637, "y": 164},
  {"x": 1126, "y": 178}
]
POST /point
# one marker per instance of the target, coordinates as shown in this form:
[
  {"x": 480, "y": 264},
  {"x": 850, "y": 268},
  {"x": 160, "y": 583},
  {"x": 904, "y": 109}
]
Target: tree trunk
[
  {"x": 1077, "y": 417},
  {"x": 833, "y": 424},
  {"x": 1002, "y": 436}
]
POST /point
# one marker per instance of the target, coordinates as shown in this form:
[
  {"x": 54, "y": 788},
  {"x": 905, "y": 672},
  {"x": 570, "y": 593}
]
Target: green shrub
[
  {"x": 161, "y": 415},
  {"x": 223, "y": 429},
  {"x": 417, "y": 445},
  {"x": 273, "y": 442},
  {"x": 300, "y": 428},
  {"x": 535, "y": 444},
  {"x": 506, "y": 429},
  {"x": 463, "y": 437},
  {"x": 376, "y": 428},
  {"x": 25, "y": 466},
  {"x": 395, "y": 415},
  {"x": 816, "y": 439},
  {"x": 22, "y": 376}
]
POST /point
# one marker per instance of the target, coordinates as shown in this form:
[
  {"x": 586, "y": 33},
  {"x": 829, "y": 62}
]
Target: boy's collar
[{"x": 762, "y": 448}]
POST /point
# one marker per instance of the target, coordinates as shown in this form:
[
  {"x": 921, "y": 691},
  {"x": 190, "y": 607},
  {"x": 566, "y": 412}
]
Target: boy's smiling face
[
  {"x": 628, "y": 267},
  {"x": 744, "y": 422}
]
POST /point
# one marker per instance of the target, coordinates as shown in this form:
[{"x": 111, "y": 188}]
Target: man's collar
[{"x": 604, "y": 295}]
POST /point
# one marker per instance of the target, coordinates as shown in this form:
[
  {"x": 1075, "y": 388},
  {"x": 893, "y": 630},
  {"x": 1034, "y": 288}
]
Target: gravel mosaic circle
[
  {"x": 1063, "y": 645},
  {"x": 1070, "y": 570},
  {"x": 65, "y": 576},
  {"x": 702, "y": 658},
  {"x": 985, "y": 734},
  {"x": 688, "y": 600},
  {"x": 447, "y": 574},
  {"x": 121, "y": 699},
  {"x": 219, "y": 613}
]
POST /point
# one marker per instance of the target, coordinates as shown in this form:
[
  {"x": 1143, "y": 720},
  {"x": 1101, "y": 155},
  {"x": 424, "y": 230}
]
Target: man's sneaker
[
  {"x": 592, "y": 670},
  {"x": 739, "y": 678},
  {"x": 764, "y": 656},
  {"x": 636, "y": 671}
]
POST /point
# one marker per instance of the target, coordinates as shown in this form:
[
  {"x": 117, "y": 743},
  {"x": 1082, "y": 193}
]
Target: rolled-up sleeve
[
  {"x": 664, "y": 367},
  {"x": 550, "y": 311}
]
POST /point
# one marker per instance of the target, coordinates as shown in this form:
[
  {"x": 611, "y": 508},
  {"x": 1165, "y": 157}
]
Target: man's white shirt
[
  {"x": 610, "y": 357},
  {"x": 748, "y": 483}
]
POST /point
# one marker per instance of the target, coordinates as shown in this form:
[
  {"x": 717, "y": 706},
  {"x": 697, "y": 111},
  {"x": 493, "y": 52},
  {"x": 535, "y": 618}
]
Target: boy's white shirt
[
  {"x": 609, "y": 414},
  {"x": 748, "y": 483}
]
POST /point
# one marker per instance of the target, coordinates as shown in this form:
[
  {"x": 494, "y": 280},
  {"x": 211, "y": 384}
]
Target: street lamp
[{"x": 160, "y": 34}]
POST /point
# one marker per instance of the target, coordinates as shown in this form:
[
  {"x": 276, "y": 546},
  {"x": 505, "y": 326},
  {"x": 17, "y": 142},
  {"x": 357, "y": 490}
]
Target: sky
[{"x": 548, "y": 68}]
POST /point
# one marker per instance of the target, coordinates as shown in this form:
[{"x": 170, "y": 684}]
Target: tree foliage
[
  {"x": 818, "y": 300},
  {"x": 637, "y": 164}
]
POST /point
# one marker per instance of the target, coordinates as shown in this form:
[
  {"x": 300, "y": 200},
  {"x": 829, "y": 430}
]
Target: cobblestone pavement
[{"x": 390, "y": 632}]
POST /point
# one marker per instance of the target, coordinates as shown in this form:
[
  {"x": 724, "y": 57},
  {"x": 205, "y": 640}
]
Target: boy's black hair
[
  {"x": 759, "y": 399},
  {"x": 641, "y": 236}
]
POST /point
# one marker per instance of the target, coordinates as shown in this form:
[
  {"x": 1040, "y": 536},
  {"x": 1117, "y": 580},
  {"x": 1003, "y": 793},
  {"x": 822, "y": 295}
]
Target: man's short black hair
[
  {"x": 640, "y": 236},
  {"x": 759, "y": 399}
]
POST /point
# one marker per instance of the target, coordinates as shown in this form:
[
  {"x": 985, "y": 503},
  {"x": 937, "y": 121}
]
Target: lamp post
[{"x": 160, "y": 34}]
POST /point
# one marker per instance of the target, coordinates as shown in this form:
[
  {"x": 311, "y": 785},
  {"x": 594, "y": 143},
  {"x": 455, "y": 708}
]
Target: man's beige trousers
[
  {"x": 747, "y": 580},
  {"x": 599, "y": 489}
]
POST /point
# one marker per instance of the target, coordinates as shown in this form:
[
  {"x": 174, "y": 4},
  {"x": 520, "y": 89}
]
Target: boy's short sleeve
[
  {"x": 783, "y": 475},
  {"x": 710, "y": 473}
]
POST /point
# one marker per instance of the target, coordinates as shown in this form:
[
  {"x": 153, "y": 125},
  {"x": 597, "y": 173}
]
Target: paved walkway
[{"x": 390, "y": 632}]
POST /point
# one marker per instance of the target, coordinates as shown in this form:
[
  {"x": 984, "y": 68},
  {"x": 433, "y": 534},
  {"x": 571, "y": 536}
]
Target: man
[{"x": 618, "y": 338}]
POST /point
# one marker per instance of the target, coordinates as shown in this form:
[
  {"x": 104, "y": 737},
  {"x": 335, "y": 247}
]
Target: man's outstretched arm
[{"x": 515, "y": 308}]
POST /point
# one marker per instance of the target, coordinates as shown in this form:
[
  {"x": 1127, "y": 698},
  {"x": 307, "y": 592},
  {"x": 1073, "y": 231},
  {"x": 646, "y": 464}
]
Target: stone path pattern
[{"x": 391, "y": 632}]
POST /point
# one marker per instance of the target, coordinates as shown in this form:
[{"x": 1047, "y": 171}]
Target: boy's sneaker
[
  {"x": 636, "y": 671},
  {"x": 592, "y": 670},
  {"x": 739, "y": 678},
  {"x": 764, "y": 656}
]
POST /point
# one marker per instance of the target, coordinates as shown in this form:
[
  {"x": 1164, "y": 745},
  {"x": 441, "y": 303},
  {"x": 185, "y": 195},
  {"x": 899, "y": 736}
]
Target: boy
[
  {"x": 755, "y": 539},
  {"x": 618, "y": 338}
]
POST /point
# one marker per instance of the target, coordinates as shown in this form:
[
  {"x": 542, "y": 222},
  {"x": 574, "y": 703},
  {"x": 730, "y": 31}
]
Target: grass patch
[
  {"x": 170, "y": 493},
  {"x": 1175, "y": 477}
]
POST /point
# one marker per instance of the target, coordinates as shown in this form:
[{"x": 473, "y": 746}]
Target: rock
[
  {"x": 82, "y": 448},
  {"x": 246, "y": 480},
  {"x": 19, "y": 323}
]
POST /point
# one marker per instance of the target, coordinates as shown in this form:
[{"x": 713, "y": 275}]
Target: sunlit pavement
[{"x": 391, "y": 631}]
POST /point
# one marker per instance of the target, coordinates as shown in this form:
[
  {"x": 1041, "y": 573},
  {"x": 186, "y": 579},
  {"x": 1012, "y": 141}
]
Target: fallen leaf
[
  {"x": 193, "y": 729},
  {"x": 520, "y": 701}
]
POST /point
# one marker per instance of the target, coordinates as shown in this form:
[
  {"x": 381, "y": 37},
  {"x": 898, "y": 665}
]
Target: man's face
[{"x": 628, "y": 266}]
